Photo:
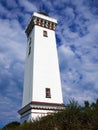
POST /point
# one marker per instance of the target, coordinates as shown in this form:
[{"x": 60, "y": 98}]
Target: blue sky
[{"x": 77, "y": 44}]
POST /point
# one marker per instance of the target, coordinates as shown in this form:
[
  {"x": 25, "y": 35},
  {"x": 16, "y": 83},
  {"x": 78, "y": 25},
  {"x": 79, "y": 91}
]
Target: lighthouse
[{"x": 42, "y": 92}]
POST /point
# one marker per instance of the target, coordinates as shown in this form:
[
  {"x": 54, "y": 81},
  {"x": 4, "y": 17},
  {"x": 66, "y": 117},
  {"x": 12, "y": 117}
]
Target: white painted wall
[
  {"x": 42, "y": 69},
  {"x": 33, "y": 114},
  {"x": 28, "y": 76},
  {"x": 46, "y": 68}
]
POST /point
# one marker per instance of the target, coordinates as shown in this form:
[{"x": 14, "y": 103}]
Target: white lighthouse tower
[{"x": 42, "y": 86}]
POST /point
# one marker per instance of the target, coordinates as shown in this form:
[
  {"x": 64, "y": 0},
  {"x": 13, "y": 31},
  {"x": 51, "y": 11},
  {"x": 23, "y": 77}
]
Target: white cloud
[
  {"x": 3, "y": 10},
  {"x": 11, "y": 3},
  {"x": 12, "y": 40},
  {"x": 28, "y": 6},
  {"x": 12, "y": 55},
  {"x": 79, "y": 70},
  {"x": 9, "y": 113}
]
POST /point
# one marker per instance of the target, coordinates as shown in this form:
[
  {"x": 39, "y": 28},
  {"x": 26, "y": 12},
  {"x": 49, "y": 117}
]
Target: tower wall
[
  {"x": 28, "y": 76},
  {"x": 42, "y": 86},
  {"x": 46, "y": 71}
]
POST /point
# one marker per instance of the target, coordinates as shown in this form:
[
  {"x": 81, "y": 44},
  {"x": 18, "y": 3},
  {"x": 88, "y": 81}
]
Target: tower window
[
  {"x": 29, "y": 50},
  {"x": 45, "y": 33},
  {"x": 29, "y": 46},
  {"x": 30, "y": 41},
  {"x": 48, "y": 93}
]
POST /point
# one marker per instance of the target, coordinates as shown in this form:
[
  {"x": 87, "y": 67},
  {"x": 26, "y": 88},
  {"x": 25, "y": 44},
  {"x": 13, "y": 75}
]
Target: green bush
[
  {"x": 72, "y": 117},
  {"x": 11, "y": 125}
]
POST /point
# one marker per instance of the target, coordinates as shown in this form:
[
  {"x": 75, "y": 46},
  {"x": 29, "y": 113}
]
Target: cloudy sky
[{"x": 77, "y": 44}]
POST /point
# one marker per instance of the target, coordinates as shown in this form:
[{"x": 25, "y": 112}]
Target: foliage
[
  {"x": 11, "y": 125},
  {"x": 72, "y": 117}
]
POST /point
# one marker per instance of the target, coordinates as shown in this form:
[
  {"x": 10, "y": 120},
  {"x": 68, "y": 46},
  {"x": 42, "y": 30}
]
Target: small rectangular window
[
  {"x": 48, "y": 93},
  {"x": 30, "y": 41},
  {"x": 29, "y": 50},
  {"x": 45, "y": 34}
]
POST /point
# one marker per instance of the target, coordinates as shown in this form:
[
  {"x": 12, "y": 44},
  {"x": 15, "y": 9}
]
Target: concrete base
[{"x": 35, "y": 110}]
